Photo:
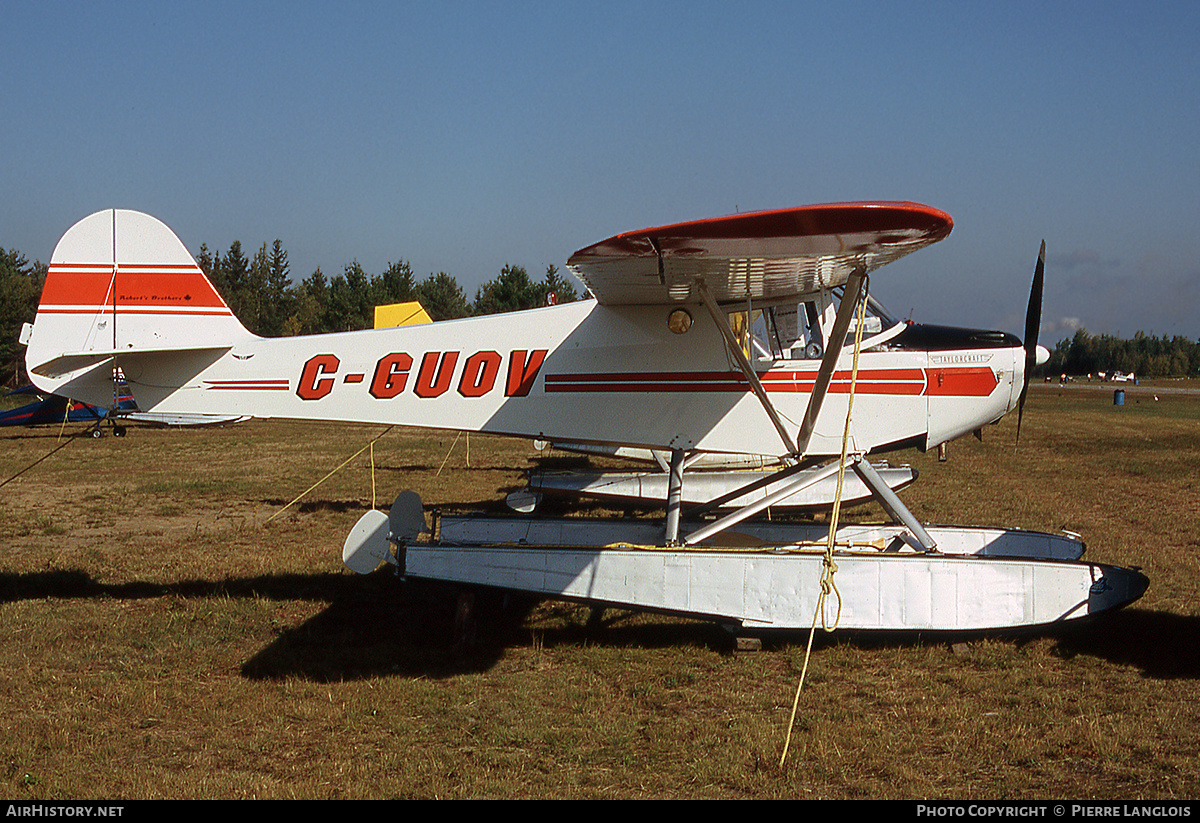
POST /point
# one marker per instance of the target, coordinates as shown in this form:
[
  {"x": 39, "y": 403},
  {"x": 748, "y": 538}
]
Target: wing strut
[
  {"x": 878, "y": 486},
  {"x": 833, "y": 349},
  {"x": 891, "y": 502},
  {"x": 765, "y": 480},
  {"x": 744, "y": 364},
  {"x": 855, "y": 284},
  {"x": 754, "y": 508},
  {"x": 854, "y": 291},
  {"x": 674, "y": 496}
]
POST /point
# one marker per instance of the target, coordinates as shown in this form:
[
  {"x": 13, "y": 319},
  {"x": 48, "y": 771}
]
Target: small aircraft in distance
[
  {"x": 662, "y": 359},
  {"x": 52, "y": 409}
]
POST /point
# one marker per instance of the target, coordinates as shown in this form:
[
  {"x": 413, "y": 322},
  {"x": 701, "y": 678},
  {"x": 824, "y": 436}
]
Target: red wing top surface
[{"x": 766, "y": 255}]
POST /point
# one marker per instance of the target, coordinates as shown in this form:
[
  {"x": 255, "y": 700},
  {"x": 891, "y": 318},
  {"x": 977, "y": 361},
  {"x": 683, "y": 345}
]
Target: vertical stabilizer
[{"x": 121, "y": 282}]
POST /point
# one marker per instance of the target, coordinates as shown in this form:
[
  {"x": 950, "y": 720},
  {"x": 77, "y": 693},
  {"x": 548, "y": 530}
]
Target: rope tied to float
[{"x": 828, "y": 564}]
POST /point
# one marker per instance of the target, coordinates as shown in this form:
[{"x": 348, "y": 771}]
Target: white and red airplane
[{"x": 662, "y": 358}]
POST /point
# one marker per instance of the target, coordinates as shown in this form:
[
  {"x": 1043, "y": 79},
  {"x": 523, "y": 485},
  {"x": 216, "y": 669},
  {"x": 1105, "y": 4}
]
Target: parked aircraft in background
[{"x": 53, "y": 409}]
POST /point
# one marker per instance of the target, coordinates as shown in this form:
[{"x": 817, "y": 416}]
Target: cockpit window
[{"x": 797, "y": 331}]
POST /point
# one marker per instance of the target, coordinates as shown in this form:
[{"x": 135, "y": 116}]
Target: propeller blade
[{"x": 1033, "y": 321}]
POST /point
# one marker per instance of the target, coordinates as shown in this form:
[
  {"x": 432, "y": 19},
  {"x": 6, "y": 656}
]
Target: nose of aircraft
[{"x": 1020, "y": 363}]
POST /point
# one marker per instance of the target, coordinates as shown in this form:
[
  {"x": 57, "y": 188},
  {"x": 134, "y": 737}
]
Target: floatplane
[{"x": 658, "y": 359}]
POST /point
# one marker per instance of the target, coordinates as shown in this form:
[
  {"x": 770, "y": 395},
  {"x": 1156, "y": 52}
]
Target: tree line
[
  {"x": 261, "y": 292},
  {"x": 1144, "y": 355}
]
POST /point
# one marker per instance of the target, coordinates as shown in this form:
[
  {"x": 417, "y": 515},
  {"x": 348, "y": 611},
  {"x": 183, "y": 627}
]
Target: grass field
[{"x": 162, "y": 637}]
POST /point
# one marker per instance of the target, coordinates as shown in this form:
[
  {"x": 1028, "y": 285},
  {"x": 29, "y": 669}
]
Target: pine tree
[
  {"x": 442, "y": 297},
  {"x": 20, "y": 288},
  {"x": 396, "y": 284},
  {"x": 512, "y": 290}
]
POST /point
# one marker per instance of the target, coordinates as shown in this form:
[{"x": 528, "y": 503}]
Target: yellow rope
[
  {"x": 335, "y": 471},
  {"x": 448, "y": 452},
  {"x": 793, "y": 548},
  {"x": 829, "y": 567},
  {"x": 372, "y": 474},
  {"x": 66, "y": 414}
]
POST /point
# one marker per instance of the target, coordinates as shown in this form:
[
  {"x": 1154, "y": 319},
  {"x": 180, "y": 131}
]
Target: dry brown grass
[{"x": 159, "y": 638}]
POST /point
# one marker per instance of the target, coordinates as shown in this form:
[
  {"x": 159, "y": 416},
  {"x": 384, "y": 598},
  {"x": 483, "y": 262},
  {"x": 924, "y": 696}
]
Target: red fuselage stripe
[
  {"x": 249, "y": 385},
  {"x": 973, "y": 382}
]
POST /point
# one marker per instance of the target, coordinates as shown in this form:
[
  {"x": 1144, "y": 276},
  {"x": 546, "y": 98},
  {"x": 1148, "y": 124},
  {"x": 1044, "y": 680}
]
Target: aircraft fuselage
[{"x": 585, "y": 372}]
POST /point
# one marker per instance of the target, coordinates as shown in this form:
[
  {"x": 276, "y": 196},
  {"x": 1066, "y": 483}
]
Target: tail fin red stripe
[{"x": 150, "y": 286}]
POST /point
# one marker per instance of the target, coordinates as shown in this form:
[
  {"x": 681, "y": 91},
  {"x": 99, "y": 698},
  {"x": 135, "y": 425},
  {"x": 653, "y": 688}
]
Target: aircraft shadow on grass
[
  {"x": 373, "y": 626},
  {"x": 376, "y": 627}
]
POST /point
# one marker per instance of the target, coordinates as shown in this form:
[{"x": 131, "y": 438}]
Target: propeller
[{"x": 1033, "y": 320}]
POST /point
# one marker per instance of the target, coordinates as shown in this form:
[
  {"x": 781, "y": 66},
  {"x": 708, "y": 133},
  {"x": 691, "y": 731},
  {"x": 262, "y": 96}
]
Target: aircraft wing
[
  {"x": 165, "y": 420},
  {"x": 767, "y": 255}
]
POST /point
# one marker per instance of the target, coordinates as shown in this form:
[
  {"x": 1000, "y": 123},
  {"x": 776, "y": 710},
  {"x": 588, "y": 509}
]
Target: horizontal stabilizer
[{"x": 69, "y": 362}]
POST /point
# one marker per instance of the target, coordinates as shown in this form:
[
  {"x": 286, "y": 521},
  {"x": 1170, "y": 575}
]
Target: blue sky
[{"x": 463, "y": 136}]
